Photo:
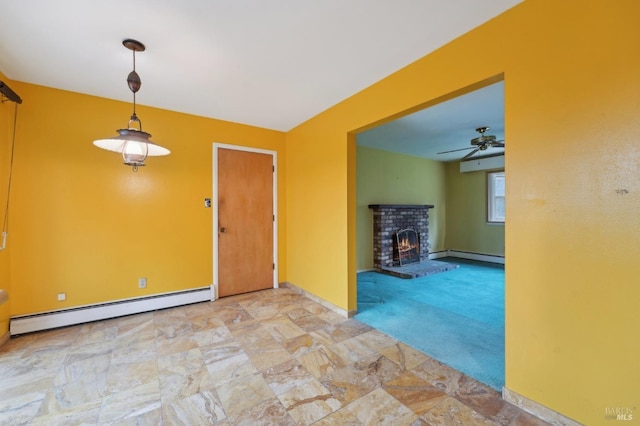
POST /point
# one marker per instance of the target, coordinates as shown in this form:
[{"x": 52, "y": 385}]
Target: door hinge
[
  {"x": 274, "y": 217},
  {"x": 274, "y": 266},
  {"x": 273, "y": 169}
]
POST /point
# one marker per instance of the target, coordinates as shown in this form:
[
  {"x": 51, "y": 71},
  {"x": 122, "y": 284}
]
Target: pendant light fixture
[{"x": 133, "y": 143}]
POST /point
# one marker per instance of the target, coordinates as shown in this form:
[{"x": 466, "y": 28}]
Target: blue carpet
[{"x": 456, "y": 317}]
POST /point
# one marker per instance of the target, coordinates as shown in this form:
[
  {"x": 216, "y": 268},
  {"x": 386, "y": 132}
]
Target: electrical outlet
[
  {"x": 142, "y": 282},
  {"x": 62, "y": 296}
]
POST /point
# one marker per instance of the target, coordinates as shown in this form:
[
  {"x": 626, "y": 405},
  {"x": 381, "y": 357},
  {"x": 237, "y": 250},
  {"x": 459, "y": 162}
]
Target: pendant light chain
[{"x": 134, "y": 91}]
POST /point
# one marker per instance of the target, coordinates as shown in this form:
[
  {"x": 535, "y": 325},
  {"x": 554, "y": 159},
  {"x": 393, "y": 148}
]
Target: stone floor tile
[
  {"x": 355, "y": 380},
  {"x": 182, "y": 375},
  {"x": 450, "y": 411},
  {"x": 352, "y": 350},
  {"x": 414, "y": 393},
  {"x": 128, "y": 375},
  {"x": 82, "y": 379},
  {"x": 282, "y": 328},
  {"x": 83, "y": 415},
  {"x": 255, "y": 339},
  {"x": 526, "y": 419},
  {"x": 220, "y": 350},
  {"x": 20, "y": 408},
  {"x": 267, "y": 413},
  {"x": 378, "y": 407},
  {"x": 132, "y": 349},
  {"x": 321, "y": 362},
  {"x": 331, "y": 317},
  {"x": 269, "y": 358},
  {"x": 342, "y": 417},
  {"x": 286, "y": 376},
  {"x": 405, "y": 356},
  {"x": 204, "y": 321},
  {"x": 376, "y": 340},
  {"x": 309, "y": 403},
  {"x": 344, "y": 330},
  {"x": 310, "y": 322},
  {"x": 211, "y": 336},
  {"x": 202, "y": 408},
  {"x": 302, "y": 344},
  {"x": 179, "y": 343},
  {"x": 152, "y": 417},
  {"x": 232, "y": 314},
  {"x": 297, "y": 313},
  {"x": 130, "y": 330},
  {"x": 130, "y": 403},
  {"x": 32, "y": 382},
  {"x": 243, "y": 393},
  {"x": 485, "y": 400},
  {"x": 439, "y": 375},
  {"x": 231, "y": 368},
  {"x": 242, "y": 328}
]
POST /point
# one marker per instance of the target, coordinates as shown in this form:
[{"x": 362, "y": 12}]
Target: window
[{"x": 495, "y": 197}]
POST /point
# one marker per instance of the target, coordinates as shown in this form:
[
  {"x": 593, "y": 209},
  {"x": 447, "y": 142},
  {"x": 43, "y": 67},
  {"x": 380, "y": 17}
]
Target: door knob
[{"x": 223, "y": 230}]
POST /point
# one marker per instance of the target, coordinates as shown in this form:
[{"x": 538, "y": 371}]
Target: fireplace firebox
[{"x": 406, "y": 247}]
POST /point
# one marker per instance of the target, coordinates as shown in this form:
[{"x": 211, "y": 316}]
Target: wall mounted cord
[{"x": 5, "y": 225}]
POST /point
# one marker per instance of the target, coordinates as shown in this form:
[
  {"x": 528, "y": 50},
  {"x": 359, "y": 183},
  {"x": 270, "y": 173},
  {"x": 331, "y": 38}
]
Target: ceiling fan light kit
[{"x": 133, "y": 143}]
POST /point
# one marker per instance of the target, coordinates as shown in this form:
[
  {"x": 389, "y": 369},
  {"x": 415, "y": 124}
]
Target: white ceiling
[
  {"x": 271, "y": 64},
  {"x": 446, "y": 126}
]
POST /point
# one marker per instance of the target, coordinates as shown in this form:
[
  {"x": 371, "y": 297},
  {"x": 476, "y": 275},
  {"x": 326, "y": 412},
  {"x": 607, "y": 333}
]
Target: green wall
[
  {"x": 466, "y": 225},
  {"x": 387, "y": 178}
]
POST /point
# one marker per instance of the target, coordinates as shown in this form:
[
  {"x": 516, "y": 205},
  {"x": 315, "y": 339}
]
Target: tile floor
[{"x": 272, "y": 357}]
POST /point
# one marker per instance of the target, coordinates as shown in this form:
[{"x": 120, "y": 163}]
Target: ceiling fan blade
[
  {"x": 498, "y": 144},
  {"x": 470, "y": 154},
  {"x": 455, "y": 150}
]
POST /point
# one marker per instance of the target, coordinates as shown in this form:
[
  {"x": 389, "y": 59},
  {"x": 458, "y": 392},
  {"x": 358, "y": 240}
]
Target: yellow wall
[
  {"x": 572, "y": 238},
  {"x": 317, "y": 179},
  {"x": 7, "y": 113},
  {"x": 86, "y": 225},
  {"x": 467, "y": 227},
  {"x": 388, "y": 178}
]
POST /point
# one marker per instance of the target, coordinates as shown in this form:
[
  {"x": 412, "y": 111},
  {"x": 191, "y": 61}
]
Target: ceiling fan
[{"x": 481, "y": 143}]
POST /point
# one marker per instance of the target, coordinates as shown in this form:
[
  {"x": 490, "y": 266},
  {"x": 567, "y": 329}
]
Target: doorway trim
[{"x": 274, "y": 156}]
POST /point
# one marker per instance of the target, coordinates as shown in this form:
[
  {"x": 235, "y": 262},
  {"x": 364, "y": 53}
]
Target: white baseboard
[
  {"x": 78, "y": 315},
  {"x": 530, "y": 406},
  {"x": 438, "y": 254}
]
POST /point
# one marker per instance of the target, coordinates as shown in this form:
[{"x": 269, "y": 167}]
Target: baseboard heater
[
  {"x": 78, "y": 315},
  {"x": 492, "y": 258},
  {"x": 476, "y": 256}
]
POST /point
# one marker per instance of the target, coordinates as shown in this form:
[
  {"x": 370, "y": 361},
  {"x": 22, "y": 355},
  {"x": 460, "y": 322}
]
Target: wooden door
[{"x": 245, "y": 221}]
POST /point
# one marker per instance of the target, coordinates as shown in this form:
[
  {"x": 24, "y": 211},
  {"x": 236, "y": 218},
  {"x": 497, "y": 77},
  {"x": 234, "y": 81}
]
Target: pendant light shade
[{"x": 133, "y": 143}]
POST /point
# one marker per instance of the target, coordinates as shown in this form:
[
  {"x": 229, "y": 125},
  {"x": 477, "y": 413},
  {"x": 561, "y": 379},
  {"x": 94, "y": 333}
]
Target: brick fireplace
[{"x": 388, "y": 219}]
